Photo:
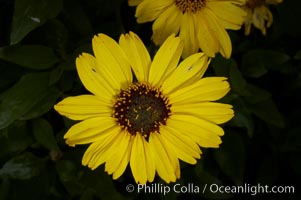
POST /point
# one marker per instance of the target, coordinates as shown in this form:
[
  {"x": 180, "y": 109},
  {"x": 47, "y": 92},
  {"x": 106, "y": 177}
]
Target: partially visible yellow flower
[
  {"x": 201, "y": 24},
  {"x": 259, "y": 15},
  {"x": 164, "y": 114}
]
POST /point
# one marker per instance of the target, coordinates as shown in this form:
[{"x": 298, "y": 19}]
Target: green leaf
[
  {"x": 268, "y": 111},
  {"x": 231, "y": 157},
  {"x": 30, "y": 56},
  {"x": 237, "y": 81},
  {"x": 44, "y": 105},
  {"x": 43, "y": 132},
  {"x": 221, "y": 65},
  {"x": 256, "y": 63},
  {"x": 244, "y": 120},
  {"x": 30, "y": 14},
  {"x": 254, "y": 94},
  {"x": 77, "y": 18},
  {"x": 22, "y": 97},
  {"x": 17, "y": 138},
  {"x": 55, "y": 75},
  {"x": 9, "y": 74},
  {"x": 24, "y": 166},
  {"x": 68, "y": 174}
]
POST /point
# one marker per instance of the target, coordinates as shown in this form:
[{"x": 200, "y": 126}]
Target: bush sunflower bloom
[
  {"x": 151, "y": 121},
  {"x": 201, "y": 24},
  {"x": 259, "y": 15}
]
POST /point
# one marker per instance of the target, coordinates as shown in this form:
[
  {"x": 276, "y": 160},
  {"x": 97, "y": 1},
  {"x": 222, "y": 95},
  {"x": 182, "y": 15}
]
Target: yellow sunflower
[
  {"x": 259, "y": 15},
  {"x": 151, "y": 121},
  {"x": 201, "y": 24}
]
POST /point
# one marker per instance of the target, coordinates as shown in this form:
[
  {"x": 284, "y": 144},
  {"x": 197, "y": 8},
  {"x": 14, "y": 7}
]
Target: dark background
[{"x": 39, "y": 41}]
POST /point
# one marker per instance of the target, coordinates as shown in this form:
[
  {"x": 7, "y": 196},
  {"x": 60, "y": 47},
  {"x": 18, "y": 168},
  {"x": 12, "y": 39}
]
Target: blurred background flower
[
  {"x": 259, "y": 14},
  {"x": 201, "y": 24}
]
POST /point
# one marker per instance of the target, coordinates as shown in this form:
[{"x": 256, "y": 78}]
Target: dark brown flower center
[
  {"x": 190, "y": 5},
  {"x": 254, "y": 3},
  {"x": 141, "y": 109}
]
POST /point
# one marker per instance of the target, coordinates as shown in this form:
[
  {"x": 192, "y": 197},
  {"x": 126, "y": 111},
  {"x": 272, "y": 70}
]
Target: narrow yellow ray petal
[
  {"x": 89, "y": 130},
  {"x": 148, "y": 11},
  {"x": 124, "y": 161},
  {"x": 163, "y": 165},
  {"x": 91, "y": 77},
  {"x": 225, "y": 12},
  {"x": 104, "y": 150},
  {"x": 112, "y": 61},
  {"x": 138, "y": 160},
  {"x": 150, "y": 163},
  {"x": 172, "y": 157},
  {"x": 220, "y": 33},
  {"x": 189, "y": 70},
  {"x": 180, "y": 141},
  {"x": 137, "y": 55},
  {"x": 122, "y": 144},
  {"x": 83, "y": 107},
  {"x": 188, "y": 34},
  {"x": 166, "y": 24},
  {"x": 206, "y": 89},
  {"x": 165, "y": 60},
  {"x": 205, "y": 133},
  {"x": 92, "y": 153},
  {"x": 177, "y": 148},
  {"x": 214, "y": 112},
  {"x": 206, "y": 40}
]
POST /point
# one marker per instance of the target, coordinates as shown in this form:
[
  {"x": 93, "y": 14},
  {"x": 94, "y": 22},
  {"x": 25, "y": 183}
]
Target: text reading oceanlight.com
[{"x": 190, "y": 188}]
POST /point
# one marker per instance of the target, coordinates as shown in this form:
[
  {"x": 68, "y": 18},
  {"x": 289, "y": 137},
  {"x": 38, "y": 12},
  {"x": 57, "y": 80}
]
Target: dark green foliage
[{"x": 39, "y": 41}]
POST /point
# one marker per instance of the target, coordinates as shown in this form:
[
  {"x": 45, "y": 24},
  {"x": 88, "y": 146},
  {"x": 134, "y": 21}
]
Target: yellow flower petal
[
  {"x": 207, "y": 41},
  {"x": 124, "y": 161},
  {"x": 189, "y": 71},
  {"x": 214, "y": 112},
  {"x": 147, "y": 10},
  {"x": 225, "y": 11},
  {"x": 188, "y": 34},
  {"x": 90, "y": 130},
  {"x": 98, "y": 152},
  {"x": 220, "y": 34},
  {"x": 150, "y": 163},
  {"x": 165, "y": 60},
  {"x": 206, "y": 89},
  {"x": 205, "y": 133},
  {"x": 83, "y": 107},
  {"x": 166, "y": 24},
  {"x": 138, "y": 160},
  {"x": 122, "y": 144},
  {"x": 92, "y": 78},
  {"x": 112, "y": 61},
  {"x": 185, "y": 148},
  {"x": 104, "y": 150},
  {"x": 163, "y": 165},
  {"x": 137, "y": 54},
  {"x": 171, "y": 155}
]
